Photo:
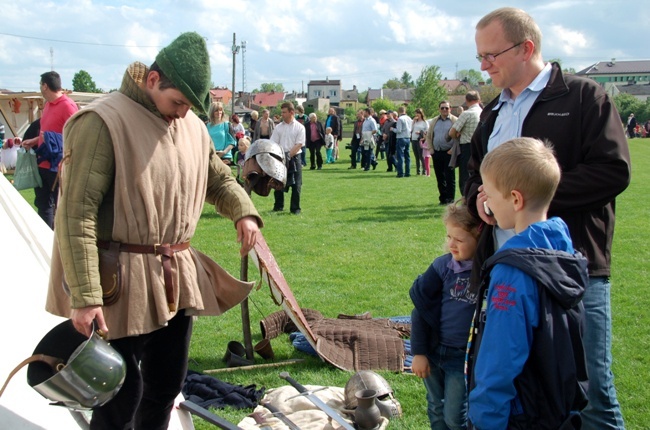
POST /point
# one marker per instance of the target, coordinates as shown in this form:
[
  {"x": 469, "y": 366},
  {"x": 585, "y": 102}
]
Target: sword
[
  {"x": 282, "y": 417},
  {"x": 316, "y": 401}
]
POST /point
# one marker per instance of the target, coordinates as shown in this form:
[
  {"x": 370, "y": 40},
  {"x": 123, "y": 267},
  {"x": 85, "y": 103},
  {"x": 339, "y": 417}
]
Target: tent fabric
[{"x": 24, "y": 270}]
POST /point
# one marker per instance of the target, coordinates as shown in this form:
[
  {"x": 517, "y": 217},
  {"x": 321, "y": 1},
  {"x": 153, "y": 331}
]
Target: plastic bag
[{"x": 26, "y": 174}]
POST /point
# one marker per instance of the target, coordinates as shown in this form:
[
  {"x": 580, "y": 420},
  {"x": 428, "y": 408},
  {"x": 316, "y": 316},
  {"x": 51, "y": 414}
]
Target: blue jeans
[
  {"x": 603, "y": 410},
  {"x": 403, "y": 157},
  {"x": 446, "y": 392}
]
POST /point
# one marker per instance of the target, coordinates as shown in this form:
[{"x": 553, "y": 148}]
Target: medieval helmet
[
  {"x": 264, "y": 167},
  {"x": 369, "y": 380},
  {"x": 75, "y": 371}
]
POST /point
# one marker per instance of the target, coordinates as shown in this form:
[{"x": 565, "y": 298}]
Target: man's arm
[
  {"x": 512, "y": 314},
  {"x": 604, "y": 171},
  {"x": 228, "y": 197},
  {"x": 457, "y": 127},
  {"x": 86, "y": 177}
]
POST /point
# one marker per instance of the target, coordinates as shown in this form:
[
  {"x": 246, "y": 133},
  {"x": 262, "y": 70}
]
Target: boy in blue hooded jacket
[{"x": 526, "y": 361}]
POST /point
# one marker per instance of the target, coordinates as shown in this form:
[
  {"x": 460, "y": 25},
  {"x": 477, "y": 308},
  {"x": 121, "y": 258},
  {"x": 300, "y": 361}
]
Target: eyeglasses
[
  {"x": 490, "y": 58},
  {"x": 444, "y": 108}
]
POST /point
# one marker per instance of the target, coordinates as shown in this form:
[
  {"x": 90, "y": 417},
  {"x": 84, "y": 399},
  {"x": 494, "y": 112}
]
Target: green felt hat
[{"x": 187, "y": 64}]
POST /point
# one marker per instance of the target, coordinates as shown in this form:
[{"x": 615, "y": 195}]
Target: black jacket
[{"x": 582, "y": 123}]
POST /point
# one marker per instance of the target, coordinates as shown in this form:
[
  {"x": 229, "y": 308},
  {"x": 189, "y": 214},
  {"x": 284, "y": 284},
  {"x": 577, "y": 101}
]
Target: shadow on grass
[{"x": 393, "y": 213}]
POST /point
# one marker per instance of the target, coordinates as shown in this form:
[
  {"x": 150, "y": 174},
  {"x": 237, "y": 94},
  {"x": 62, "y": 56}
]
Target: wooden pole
[{"x": 256, "y": 366}]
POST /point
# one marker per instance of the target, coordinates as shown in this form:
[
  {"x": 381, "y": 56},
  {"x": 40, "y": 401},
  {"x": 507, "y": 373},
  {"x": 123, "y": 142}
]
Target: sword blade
[
  {"x": 316, "y": 401},
  {"x": 282, "y": 417}
]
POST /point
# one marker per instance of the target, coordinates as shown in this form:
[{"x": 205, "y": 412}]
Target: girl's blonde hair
[
  {"x": 245, "y": 141},
  {"x": 458, "y": 214}
]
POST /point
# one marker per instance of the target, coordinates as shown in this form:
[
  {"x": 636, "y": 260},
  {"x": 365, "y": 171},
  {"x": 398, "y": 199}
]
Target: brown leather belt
[{"x": 166, "y": 252}]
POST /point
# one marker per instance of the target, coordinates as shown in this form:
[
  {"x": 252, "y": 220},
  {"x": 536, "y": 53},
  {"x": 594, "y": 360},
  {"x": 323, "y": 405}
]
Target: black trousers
[
  {"x": 417, "y": 155},
  {"x": 156, "y": 368},
  {"x": 46, "y": 197},
  {"x": 315, "y": 153},
  {"x": 354, "y": 147},
  {"x": 445, "y": 176},
  {"x": 295, "y": 187},
  {"x": 463, "y": 172}
]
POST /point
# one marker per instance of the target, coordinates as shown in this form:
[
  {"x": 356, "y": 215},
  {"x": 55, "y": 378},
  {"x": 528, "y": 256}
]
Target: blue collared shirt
[
  {"x": 369, "y": 124},
  {"x": 513, "y": 112}
]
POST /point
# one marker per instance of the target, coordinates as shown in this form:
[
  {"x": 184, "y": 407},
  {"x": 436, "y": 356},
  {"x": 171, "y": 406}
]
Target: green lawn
[{"x": 359, "y": 243}]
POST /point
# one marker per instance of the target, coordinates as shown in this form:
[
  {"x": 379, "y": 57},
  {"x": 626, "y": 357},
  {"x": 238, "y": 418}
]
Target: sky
[{"x": 363, "y": 43}]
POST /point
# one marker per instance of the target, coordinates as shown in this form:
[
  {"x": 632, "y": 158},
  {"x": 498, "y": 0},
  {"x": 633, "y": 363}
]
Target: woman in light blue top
[{"x": 219, "y": 130}]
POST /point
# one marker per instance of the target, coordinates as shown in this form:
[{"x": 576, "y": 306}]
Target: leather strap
[
  {"x": 166, "y": 252},
  {"x": 56, "y": 363}
]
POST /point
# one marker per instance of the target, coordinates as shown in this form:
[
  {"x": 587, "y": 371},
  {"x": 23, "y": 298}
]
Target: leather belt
[{"x": 166, "y": 252}]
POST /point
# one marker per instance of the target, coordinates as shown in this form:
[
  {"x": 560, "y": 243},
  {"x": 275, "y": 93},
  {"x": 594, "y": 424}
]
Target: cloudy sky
[{"x": 360, "y": 42}]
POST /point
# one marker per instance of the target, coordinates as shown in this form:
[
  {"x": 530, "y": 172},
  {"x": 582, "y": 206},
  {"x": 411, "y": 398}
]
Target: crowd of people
[{"x": 527, "y": 273}]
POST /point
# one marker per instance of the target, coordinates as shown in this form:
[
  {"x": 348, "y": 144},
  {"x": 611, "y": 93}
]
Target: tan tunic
[{"x": 161, "y": 173}]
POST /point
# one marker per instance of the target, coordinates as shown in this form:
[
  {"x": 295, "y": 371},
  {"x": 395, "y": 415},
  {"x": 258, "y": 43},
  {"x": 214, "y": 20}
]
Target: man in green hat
[{"x": 138, "y": 167}]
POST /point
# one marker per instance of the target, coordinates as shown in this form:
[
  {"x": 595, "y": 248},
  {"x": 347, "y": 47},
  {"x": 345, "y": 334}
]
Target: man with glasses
[
  {"x": 582, "y": 123},
  {"x": 439, "y": 142}
]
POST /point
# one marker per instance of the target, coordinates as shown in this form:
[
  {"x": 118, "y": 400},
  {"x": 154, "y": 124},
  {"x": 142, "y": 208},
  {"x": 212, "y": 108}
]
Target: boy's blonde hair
[
  {"x": 328, "y": 129},
  {"x": 527, "y": 165},
  {"x": 457, "y": 213}
]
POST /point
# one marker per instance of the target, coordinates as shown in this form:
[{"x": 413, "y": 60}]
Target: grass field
[{"x": 361, "y": 240}]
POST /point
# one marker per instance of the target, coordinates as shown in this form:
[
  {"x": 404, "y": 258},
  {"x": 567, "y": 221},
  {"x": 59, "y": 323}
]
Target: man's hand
[
  {"x": 29, "y": 143},
  {"x": 420, "y": 366},
  {"x": 481, "y": 200},
  {"x": 82, "y": 319},
  {"x": 247, "y": 230}
]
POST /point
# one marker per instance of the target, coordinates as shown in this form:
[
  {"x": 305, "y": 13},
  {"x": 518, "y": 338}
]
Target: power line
[{"x": 91, "y": 43}]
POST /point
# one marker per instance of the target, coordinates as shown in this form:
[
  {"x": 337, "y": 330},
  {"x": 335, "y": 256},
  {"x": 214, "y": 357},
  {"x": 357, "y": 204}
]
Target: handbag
[{"x": 26, "y": 174}]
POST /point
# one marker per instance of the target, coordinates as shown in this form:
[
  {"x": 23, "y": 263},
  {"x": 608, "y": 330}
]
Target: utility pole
[
  {"x": 51, "y": 58},
  {"x": 235, "y": 50},
  {"x": 243, "y": 66}
]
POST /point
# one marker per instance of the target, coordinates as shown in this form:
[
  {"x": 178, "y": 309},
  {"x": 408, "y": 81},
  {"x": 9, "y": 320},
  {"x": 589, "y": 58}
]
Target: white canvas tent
[{"x": 24, "y": 272}]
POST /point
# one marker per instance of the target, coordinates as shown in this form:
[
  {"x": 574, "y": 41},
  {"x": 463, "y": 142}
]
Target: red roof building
[
  {"x": 223, "y": 95},
  {"x": 268, "y": 99}
]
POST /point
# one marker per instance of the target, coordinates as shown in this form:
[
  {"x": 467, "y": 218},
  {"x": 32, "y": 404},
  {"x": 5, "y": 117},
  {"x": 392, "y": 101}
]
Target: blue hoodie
[{"x": 525, "y": 367}]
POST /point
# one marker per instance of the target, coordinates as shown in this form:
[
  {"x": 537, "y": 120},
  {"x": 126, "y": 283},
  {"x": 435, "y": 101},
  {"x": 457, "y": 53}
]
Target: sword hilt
[{"x": 297, "y": 385}]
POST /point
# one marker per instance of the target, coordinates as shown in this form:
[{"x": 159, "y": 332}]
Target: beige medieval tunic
[{"x": 130, "y": 176}]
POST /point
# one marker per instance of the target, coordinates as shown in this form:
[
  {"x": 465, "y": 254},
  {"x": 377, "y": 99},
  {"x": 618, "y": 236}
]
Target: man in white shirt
[
  {"x": 402, "y": 155},
  {"x": 463, "y": 129},
  {"x": 290, "y": 135}
]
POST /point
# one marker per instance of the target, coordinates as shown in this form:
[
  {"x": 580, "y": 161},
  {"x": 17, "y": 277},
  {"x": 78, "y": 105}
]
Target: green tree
[
  {"x": 350, "y": 114},
  {"x": 269, "y": 87},
  {"x": 384, "y": 104},
  {"x": 471, "y": 76},
  {"x": 407, "y": 80},
  {"x": 488, "y": 92},
  {"x": 363, "y": 96},
  {"x": 83, "y": 82},
  {"x": 627, "y": 104},
  {"x": 392, "y": 84},
  {"x": 428, "y": 93}
]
